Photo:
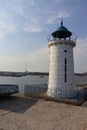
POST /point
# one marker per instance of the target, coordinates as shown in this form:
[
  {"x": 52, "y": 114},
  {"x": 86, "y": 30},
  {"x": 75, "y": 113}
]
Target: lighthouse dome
[
  {"x": 62, "y": 28},
  {"x": 61, "y": 32}
]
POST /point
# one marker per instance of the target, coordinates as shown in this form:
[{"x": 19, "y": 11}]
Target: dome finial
[{"x": 61, "y": 22}]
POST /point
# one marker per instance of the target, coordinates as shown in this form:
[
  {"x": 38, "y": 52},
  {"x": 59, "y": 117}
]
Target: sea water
[{"x": 24, "y": 80}]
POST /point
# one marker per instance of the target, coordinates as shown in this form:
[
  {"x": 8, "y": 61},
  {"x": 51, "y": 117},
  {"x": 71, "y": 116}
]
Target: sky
[{"x": 25, "y": 26}]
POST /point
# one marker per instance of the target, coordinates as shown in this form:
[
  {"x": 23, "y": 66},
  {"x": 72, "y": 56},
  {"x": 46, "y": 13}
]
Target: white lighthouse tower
[{"x": 61, "y": 73}]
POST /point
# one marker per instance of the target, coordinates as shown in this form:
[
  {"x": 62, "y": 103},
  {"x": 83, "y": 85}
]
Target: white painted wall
[{"x": 57, "y": 69}]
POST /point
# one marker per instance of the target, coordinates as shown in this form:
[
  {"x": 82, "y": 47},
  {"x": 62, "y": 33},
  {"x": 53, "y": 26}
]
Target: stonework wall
[
  {"x": 58, "y": 54},
  {"x": 80, "y": 79}
]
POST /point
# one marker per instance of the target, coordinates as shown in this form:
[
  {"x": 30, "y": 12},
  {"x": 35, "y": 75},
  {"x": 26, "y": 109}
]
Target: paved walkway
[{"x": 22, "y": 113}]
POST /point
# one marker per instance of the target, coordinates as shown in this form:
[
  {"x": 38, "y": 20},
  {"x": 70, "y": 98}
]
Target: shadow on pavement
[{"x": 16, "y": 104}]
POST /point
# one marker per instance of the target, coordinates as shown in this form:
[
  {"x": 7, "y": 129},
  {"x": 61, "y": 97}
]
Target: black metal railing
[{"x": 72, "y": 38}]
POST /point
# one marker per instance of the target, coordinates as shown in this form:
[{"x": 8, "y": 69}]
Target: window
[
  {"x": 65, "y": 51},
  {"x": 65, "y": 70}
]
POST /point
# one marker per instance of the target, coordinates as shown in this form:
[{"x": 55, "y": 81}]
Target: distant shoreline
[{"x": 20, "y": 74}]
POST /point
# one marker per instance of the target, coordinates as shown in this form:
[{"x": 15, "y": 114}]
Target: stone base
[{"x": 60, "y": 94}]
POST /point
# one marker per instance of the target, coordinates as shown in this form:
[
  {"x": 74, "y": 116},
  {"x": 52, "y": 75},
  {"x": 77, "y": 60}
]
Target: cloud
[
  {"x": 80, "y": 55},
  {"x": 64, "y": 14},
  {"x": 2, "y": 35},
  {"x": 33, "y": 25},
  {"x": 17, "y": 5},
  {"x": 32, "y": 2},
  {"x": 36, "y": 61},
  {"x": 6, "y": 25},
  {"x": 39, "y": 60},
  {"x": 61, "y": 14},
  {"x": 12, "y": 63}
]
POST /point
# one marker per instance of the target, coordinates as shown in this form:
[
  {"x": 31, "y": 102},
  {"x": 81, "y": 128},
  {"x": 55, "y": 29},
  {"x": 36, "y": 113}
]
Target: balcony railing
[{"x": 72, "y": 38}]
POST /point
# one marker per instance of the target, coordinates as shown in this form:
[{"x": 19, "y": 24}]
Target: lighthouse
[{"x": 61, "y": 71}]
